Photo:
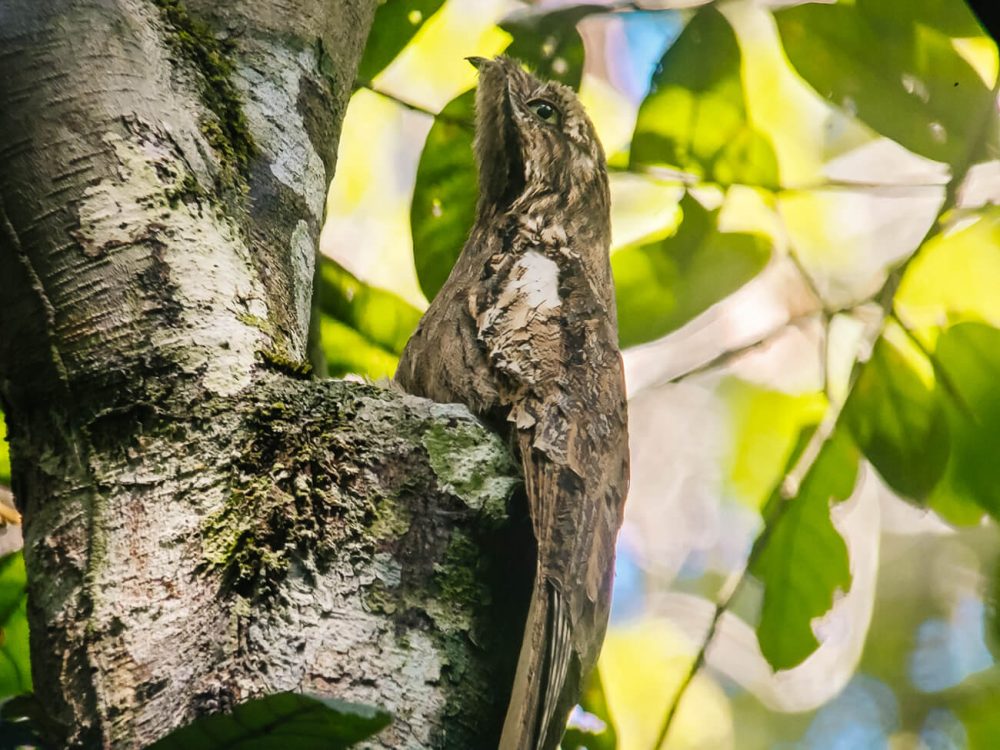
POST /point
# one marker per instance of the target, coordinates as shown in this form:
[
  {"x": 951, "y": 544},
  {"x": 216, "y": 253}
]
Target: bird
[{"x": 524, "y": 333}]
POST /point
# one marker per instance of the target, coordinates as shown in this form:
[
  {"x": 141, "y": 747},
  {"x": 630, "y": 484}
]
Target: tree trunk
[{"x": 204, "y": 523}]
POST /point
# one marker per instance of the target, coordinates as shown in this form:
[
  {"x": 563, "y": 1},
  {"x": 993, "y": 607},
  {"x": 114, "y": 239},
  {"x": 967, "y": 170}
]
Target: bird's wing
[{"x": 544, "y": 338}]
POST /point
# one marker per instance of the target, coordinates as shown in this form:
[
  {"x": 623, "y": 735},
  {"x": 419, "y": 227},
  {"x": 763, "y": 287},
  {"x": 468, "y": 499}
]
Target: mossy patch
[
  {"x": 277, "y": 358},
  {"x": 285, "y": 502},
  {"x": 479, "y": 471},
  {"x": 459, "y": 582},
  {"x": 227, "y": 131},
  {"x": 187, "y": 190}
]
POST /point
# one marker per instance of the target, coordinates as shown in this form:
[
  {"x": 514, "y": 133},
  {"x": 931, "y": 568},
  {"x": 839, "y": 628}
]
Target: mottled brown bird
[{"x": 524, "y": 333}]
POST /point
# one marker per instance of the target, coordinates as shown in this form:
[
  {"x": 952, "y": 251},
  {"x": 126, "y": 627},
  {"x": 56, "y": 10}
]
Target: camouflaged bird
[{"x": 524, "y": 333}]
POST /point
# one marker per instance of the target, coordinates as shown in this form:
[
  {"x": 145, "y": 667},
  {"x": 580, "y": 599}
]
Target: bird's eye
[{"x": 544, "y": 111}]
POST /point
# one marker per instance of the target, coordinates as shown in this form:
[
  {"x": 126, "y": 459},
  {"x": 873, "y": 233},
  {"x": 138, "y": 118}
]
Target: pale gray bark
[{"x": 204, "y": 524}]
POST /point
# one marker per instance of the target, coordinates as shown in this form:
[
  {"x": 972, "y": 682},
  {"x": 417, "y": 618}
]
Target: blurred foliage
[
  {"x": 695, "y": 117},
  {"x": 920, "y": 91},
  {"x": 444, "y": 194},
  {"x": 15, "y": 664},
  {"x": 382, "y": 317},
  {"x": 592, "y": 728},
  {"x": 548, "y": 42},
  {"x": 362, "y": 329},
  {"x": 396, "y": 22},
  {"x": 968, "y": 356},
  {"x": 766, "y": 424},
  {"x": 661, "y": 285},
  {"x": 800, "y": 557},
  {"x": 897, "y": 418},
  {"x": 279, "y": 722}
]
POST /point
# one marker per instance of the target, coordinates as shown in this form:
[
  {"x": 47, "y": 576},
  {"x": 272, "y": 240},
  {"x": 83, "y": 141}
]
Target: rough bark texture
[{"x": 203, "y": 523}]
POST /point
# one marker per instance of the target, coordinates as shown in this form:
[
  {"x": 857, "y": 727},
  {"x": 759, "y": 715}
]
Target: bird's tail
[{"x": 536, "y": 714}]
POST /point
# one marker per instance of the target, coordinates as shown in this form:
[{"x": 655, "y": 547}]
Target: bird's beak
[{"x": 478, "y": 62}]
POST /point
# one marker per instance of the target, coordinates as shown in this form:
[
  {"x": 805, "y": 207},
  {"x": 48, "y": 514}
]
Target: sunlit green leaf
[
  {"x": 898, "y": 420},
  {"x": 15, "y": 661},
  {"x": 444, "y": 196},
  {"x": 969, "y": 357},
  {"x": 695, "y": 117},
  {"x": 801, "y": 559},
  {"x": 593, "y": 730},
  {"x": 396, "y": 21},
  {"x": 281, "y": 721},
  {"x": 917, "y": 89},
  {"x": 765, "y": 426},
  {"x": 382, "y": 317},
  {"x": 662, "y": 285},
  {"x": 548, "y": 41},
  {"x": 348, "y": 352},
  {"x": 954, "y": 277}
]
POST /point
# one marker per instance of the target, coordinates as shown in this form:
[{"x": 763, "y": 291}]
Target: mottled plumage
[{"x": 524, "y": 333}]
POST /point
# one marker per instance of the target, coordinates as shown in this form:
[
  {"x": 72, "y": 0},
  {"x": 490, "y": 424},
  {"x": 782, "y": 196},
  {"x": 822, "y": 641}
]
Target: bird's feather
[{"x": 524, "y": 333}]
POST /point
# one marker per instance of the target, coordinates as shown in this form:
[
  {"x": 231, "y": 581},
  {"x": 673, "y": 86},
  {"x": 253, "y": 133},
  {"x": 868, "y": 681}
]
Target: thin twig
[{"x": 414, "y": 107}]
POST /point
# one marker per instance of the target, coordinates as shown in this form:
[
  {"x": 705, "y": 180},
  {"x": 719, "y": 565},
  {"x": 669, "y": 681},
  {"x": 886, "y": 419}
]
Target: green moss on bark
[
  {"x": 286, "y": 500},
  {"x": 227, "y": 131}
]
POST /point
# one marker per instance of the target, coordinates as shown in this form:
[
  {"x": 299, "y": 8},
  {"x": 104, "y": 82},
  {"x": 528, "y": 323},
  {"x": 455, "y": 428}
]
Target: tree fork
[{"x": 203, "y": 523}]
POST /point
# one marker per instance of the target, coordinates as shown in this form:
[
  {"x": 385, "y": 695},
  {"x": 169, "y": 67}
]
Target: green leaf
[
  {"x": 765, "y": 425},
  {"x": 15, "y": 659},
  {"x": 4, "y": 452},
  {"x": 662, "y": 285},
  {"x": 347, "y": 352},
  {"x": 695, "y": 117},
  {"x": 548, "y": 41},
  {"x": 917, "y": 90},
  {"x": 801, "y": 559},
  {"x": 384, "y": 318},
  {"x": 968, "y": 355},
  {"x": 395, "y": 24},
  {"x": 444, "y": 196},
  {"x": 595, "y": 731},
  {"x": 280, "y": 721},
  {"x": 898, "y": 420}
]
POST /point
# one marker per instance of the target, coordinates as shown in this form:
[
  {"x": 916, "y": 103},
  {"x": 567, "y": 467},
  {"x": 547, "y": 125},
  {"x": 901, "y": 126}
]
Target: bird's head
[{"x": 532, "y": 135}]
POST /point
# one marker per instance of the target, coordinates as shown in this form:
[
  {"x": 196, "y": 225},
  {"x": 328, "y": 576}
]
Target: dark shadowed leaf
[
  {"x": 695, "y": 117},
  {"x": 899, "y": 421},
  {"x": 548, "y": 41},
  {"x": 444, "y": 196},
  {"x": 918, "y": 89},
  {"x": 4, "y": 452},
  {"x": 383, "y": 318},
  {"x": 968, "y": 355},
  {"x": 281, "y": 721},
  {"x": 801, "y": 559},
  {"x": 662, "y": 285},
  {"x": 15, "y": 661},
  {"x": 396, "y": 21}
]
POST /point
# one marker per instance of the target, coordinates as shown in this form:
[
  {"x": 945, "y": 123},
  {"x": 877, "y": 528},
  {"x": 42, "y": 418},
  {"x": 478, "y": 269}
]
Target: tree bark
[{"x": 205, "y": 523}]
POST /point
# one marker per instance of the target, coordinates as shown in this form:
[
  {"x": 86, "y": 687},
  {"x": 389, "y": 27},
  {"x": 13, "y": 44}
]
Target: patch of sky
[
  {"x": 629, "y": 589},
  {"x": 948, "y": 651},
  {"x": 649, "y": 35},
  {"x": 864, "y": 715}
]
